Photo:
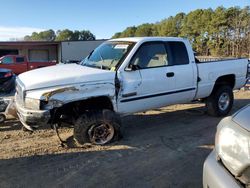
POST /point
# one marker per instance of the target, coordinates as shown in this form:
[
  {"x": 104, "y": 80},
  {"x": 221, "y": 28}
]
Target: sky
[{"x": 102, "y": 17}]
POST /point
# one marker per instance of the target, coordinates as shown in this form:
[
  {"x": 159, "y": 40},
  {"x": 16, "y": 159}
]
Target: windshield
[{"x": 108, "y": 55}]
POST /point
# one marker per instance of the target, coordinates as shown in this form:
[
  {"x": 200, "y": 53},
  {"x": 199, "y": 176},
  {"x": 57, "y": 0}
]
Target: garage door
[{"x": 38, "y": 55}]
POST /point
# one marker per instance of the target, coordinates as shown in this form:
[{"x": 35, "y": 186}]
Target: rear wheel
[
  {"x": 220, "y": 102},
  {"x": 98, "y": 128}
]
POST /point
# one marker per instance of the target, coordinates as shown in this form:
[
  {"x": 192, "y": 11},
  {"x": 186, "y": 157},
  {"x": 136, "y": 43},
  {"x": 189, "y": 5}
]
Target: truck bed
[{"x": 209, "y": 72}]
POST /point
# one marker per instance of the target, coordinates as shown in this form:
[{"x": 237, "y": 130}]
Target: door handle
[{"x": 170, "y": 74}]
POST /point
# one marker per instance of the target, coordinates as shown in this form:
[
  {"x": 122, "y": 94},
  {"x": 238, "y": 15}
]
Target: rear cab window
[
  {"x": 177, "y": 53},
  {"x": 19, "y": 59}
]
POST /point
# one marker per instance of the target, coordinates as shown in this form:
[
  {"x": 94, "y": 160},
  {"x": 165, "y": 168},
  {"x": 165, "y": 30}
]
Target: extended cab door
[
  {"x": 183, "y": 70},
  {"x": 161, "y": 75}
]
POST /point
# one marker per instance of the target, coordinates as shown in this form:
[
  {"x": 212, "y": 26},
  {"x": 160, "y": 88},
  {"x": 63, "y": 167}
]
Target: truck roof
[{"x": 145, "y": 39}]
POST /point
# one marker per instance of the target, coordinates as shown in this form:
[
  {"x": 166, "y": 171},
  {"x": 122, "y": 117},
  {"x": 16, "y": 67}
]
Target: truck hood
[
  {"x": 63, "y": 75},
  {"x": 242, "y": 118}
]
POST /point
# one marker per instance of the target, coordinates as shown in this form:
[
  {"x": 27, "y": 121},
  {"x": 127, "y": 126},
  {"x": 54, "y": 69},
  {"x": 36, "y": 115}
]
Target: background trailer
[
  {"x": 50, "y": 51},
  {"x": 78, "y": 50}
]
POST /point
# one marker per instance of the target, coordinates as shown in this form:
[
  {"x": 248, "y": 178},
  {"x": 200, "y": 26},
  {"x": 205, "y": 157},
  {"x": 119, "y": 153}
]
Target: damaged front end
[
  {"x": 34, "y": 113},
  {"x": 32, "y": 118},
  {"x": 56, "y": 105}
]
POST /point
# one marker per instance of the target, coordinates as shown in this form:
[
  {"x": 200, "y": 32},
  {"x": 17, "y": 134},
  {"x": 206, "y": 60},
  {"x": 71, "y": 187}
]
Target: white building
[
  {"x": 50, "y": 51},
  {"x": 77, "y": 50}
]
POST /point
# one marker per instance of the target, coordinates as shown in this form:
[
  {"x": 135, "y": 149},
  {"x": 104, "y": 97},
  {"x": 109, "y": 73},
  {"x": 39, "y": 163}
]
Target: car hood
[
  {"x": 3, "y": 73},
  {"x": 63, "y": 75},
  {"x": 242, "y": 118},
  {"x": 4, "y": 70}
]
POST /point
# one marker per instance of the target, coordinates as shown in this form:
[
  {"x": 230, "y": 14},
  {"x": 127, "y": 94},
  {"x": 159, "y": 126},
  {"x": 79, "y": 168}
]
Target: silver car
[{"x": 228, "y": 165}]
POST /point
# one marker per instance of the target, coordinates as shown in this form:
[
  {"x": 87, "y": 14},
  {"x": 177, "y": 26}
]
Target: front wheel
[
  {"x": 220, "y": 102},
  {"x": 98, "y": 128}
]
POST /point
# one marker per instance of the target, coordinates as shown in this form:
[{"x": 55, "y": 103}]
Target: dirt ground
[{"x": 160, "y": 148}]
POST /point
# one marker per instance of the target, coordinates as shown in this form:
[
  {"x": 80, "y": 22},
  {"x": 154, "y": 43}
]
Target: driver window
[
  {"x": 150, "y": 55},
  {"x": 7, "y": 60}
]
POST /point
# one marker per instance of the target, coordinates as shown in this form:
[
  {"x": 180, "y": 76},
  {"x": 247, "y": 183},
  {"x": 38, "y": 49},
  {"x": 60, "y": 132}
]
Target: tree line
[
  {"x": 60, "y": 35},
  {"x": 218, "y": 32}
]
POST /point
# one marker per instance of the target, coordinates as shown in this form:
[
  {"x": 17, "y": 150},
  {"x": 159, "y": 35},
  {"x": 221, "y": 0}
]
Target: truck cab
[
  {"x": 16, "y": 63},
  {"x": 20, "y": 64},
  {"x": 153, "y": 75}
]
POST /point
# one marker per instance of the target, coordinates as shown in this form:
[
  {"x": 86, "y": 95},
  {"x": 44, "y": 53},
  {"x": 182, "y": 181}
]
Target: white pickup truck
[{"x": 124, "y": 76}]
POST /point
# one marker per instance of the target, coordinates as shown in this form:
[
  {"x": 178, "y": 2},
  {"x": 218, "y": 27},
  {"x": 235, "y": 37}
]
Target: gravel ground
[{"x": 160, "y": 148}]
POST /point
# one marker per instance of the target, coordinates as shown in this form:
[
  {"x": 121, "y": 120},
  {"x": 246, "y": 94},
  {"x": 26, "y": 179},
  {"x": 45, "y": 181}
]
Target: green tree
[
  {"x": 48, "y": 35},
  {"x": 86, "y": 35},
  {"x": 171, "y": 26},
  {"x": 60, "y": 35},
  {"x": 219, "y": 32},
  {"x": 75, "y": 35},
  {"x": 64, "y": 35},
  {"x": 117, "y": 35},
  {"x": 144, "y": 30},
  {"x": 128, "y": 32}
]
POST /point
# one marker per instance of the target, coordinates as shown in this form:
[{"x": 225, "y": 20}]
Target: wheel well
[
  {"x": 95, "y": 103},
  {"x": 74, "y": 109},
  {"x": 225, "y": 80}
]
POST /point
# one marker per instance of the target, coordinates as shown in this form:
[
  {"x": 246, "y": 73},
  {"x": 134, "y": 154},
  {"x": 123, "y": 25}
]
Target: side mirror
[{"x": 132, "y": 68}]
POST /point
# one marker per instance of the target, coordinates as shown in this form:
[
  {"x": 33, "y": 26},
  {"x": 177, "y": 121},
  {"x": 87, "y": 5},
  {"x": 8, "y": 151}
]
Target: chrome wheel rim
[
  {"x": 101, "y": 133},
  {"x": 224, "y": 101}
]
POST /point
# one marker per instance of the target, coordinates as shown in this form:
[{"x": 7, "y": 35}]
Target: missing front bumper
[{"x": 32, "y": 118}]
